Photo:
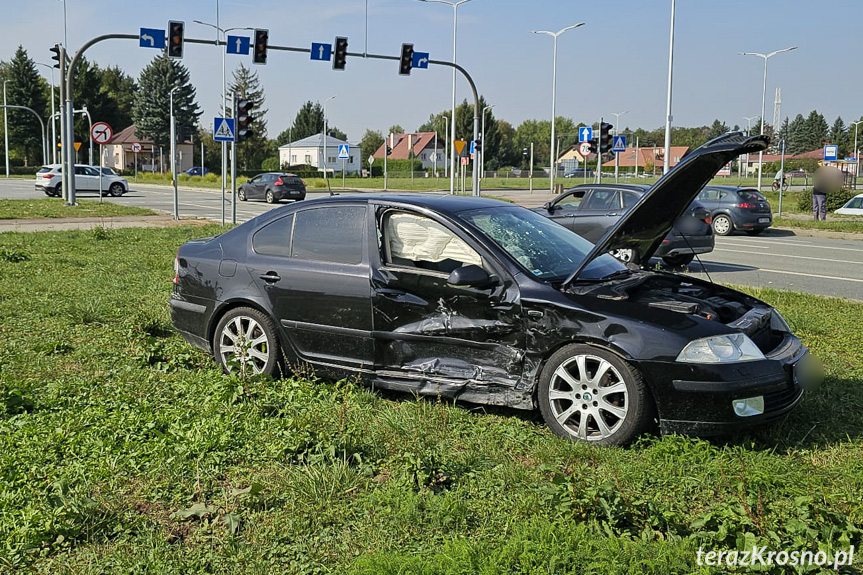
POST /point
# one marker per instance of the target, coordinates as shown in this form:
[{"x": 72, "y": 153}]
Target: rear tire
[
  {"x": 245, "y": 339},
  {"x": 587, "y": 393},
  {"x": 722, "y": 225},
  {"x": 58, "y": 190},
  {"x": 626, "y": 255},
  {"x": 678, "y": 260},
  {"x": 116, "y": 190}
]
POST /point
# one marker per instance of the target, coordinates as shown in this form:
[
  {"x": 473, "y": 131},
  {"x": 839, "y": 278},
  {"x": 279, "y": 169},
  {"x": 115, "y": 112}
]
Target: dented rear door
[{"x": 427, "y": 331}]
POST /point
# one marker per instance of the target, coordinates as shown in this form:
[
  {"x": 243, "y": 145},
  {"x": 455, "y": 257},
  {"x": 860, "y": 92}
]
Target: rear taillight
[
  {"x": 745, "y": 205},
  {"x": 279, "y": 182},
  {"x": 47, "y": 176},
  {"x": 708, "y": 220},
  {"x": 177, "y": 270}
]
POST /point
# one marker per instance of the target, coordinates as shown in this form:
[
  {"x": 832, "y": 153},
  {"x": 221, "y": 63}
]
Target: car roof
[
  {"x": 445, "y": 204},
  {"x": 730, "y": 188},
  {"x": 631, "y": 187}
]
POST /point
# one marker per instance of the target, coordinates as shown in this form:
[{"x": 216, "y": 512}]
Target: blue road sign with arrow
[
  {"x": 420, "y": 60},
  {"x": 151, "y": 38},
  {"x": 585, "y": 134},
  {"x": 238, "y": 45},
  {"x": 321, "y": 51},
  {"x": 619, "y": 144},
  {"x": 223, "y": 129}
]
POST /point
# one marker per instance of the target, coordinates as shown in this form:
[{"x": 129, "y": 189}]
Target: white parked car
[
  {"x": 49, "y": 179},
  {"x": 854, "y": 207}
]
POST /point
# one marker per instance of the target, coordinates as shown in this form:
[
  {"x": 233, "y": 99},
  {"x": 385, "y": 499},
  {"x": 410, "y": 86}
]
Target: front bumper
[
  {"x": 697, "y": 398},
  {"x": 675, "y": 245}
]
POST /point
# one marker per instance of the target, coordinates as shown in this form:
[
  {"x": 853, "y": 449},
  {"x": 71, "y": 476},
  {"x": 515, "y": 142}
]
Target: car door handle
[
  {"x": 610, "y": 213},
  {"x": 270, "y": 277}
]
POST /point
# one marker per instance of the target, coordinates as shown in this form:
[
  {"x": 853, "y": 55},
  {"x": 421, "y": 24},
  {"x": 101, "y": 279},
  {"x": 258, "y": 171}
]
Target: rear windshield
[
  {"x": 44, "y": 170},
  {"x": 751, "y": 195},
  {"x": 292, "y": 181}
]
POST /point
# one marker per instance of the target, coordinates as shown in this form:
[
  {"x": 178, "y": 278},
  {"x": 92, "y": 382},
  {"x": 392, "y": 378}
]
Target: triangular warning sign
[
  {"x": 459, "y": 146},
  {"x": 343, "y": 152},
  {"x": 224, "y": 130}
]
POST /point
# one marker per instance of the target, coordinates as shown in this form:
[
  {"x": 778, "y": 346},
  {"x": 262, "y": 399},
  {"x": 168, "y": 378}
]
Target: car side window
[
  {"x": 602, "y": 200},
  {"x": 80, "y": 171},
  {"x": 571, "y": 202},
  {"x": 415, "y": 241},
  {"x": 629, "y": 199},
  {"x": 330, "y": 234},
  {"x": 274, "y": 239},
  {"x": 92, "y": 171},
  {"x": 255, "y": 180}
]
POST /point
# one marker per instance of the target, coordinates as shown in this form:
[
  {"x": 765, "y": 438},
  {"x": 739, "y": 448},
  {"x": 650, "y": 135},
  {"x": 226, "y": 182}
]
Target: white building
[{"x": 310, "y": 151}]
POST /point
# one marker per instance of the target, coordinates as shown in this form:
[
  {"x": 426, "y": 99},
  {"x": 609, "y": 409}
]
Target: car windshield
[
  {"x": 542, "y": 247},
  {"x": 44, "y": 170}
]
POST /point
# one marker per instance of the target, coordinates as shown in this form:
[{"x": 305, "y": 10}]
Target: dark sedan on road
[
  {"x": 477, "y": 300},
  {"x": 273, "y": 187},
  {"x": 734, "y": 208},
  {"x": 590, "y": 210}
]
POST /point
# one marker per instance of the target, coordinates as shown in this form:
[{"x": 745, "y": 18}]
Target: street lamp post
[
  {"x": 324, "y": 138},
  {"x": 174, "y": 153},
  {"x": 764, "y": 96},
  {"x": 748, "y": 132},
  {"x": 455, "y": 6},
  {"x": 668, "y": 117},
  {"x": 446, "y": 147},
  {"x": 483, "y": 142},
  {"x": 553, "y": 91},
  {"x": 617, "y": 116},
  {"x": 53, "y": 127},
  {"x": 856, "y": 153},
  {"x": 5, "y": 129}
]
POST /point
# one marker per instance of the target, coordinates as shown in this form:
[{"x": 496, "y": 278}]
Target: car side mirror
[
  {"x": 548, "y": 206},
  {"x": 248, "y": 181},
  {"x": 469, "y": 276}
]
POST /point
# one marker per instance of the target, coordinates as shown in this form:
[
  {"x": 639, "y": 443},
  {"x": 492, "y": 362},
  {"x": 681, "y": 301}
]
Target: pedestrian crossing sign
[
  {"x": 223, "y": 129},
  {"x": 343, "y": 152}
]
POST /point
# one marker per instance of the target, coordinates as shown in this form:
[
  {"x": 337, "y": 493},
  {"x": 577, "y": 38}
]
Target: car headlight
[
  {"x": 720, "y": 349},
  {"x": 778, "y": 323}
]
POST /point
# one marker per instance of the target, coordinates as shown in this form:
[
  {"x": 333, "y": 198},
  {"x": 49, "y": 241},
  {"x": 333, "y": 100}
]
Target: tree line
[{"x": 113, "y": 96}]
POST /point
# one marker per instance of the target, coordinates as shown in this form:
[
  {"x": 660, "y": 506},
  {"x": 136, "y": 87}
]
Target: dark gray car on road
[
  {"x": 273, "y": 187},
  {"x": 590, "y": 210},
  {"x": 734, "y": 208}
]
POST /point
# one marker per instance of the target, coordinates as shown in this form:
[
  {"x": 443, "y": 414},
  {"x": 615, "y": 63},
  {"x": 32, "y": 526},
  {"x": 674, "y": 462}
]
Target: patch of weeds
[
  {"x": 228, "y": 514},
  {"x": 101, "y": 234},
  {"x": 52, "y": 347},
  {"x": 13, "y": 256}
]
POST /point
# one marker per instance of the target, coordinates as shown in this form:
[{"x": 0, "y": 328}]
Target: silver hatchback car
[{"x": 49, "y": 179}]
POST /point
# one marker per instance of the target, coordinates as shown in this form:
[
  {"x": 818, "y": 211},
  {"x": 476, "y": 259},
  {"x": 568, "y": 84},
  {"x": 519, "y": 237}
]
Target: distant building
[
  {"x": 310, "y": 152},
  {"x": 649, "y": 158},
  {"x": 423, "y": 145},
  {"x": 151, "y": 158}
]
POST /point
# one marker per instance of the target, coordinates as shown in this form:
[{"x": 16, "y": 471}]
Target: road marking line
[
  {"x": 787, "y": 256},
  {"x": 788, "y": 273}
]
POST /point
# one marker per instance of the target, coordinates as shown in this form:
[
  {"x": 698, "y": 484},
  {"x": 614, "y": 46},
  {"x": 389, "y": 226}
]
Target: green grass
[
  {"x": 124, "y": 450},
  {"x": 833, "y": 224},
  {"x": 56, "y": 208}
]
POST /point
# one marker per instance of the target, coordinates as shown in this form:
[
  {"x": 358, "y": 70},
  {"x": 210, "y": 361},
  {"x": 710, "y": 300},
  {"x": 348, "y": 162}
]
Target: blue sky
[{"x": 616, "y": 62}]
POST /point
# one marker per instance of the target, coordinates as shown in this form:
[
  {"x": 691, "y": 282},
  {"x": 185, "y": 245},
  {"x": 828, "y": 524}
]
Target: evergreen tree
[
  {"x": 26, "y": 88},
  {"x": 837, "y": 134},
  {"x": 716, "y": 129},
  {"x": 308, "y": 121},
  {"x": 816, "y": 131},
  {"x": 797, "y": 135},
  {"x": 151, "y": 109},
  {"x": 246, "y": 86},
  {"x": 396, "y": 129}
]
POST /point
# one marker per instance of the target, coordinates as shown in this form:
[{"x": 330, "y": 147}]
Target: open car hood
[{"x": 644, "y": 226}]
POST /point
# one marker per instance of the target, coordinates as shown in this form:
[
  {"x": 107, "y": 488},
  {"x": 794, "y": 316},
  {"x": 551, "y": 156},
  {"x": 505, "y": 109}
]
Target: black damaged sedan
[{"x": 485, "y": 302}]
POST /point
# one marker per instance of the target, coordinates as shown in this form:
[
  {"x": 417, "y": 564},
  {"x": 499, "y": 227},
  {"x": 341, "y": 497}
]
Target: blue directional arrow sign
[
  {"x": 238, "y": 45},
  {"x": 619, "y": 144},
  {"x": 321, "y": 51},
  {"x": 151, "y": 38},
  {"x": 420, "y": 60},
  {"x": 343, "y": 152},
  {"x": 472, "y": 147},
  {"x": 223, "y": 129},
  {"x": 585, "y": 134}
]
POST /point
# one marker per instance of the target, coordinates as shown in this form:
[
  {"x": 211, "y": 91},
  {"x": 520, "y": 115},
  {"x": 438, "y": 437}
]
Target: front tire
[
  {"x": 241, "y": 194},
  {"x": 722, "y": 225},
  {"x": 116, "y": 190},
  {"x": 679, "y": 260},
  {"x": 589, "y": 394},
  {"x": 626, "y": 255},
  {"x": 246, "y": 340},
  {"x": 271, "y": 198}
]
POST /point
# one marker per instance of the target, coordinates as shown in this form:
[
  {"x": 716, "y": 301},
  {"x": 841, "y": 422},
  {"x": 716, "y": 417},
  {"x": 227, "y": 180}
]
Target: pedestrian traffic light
[
  {"x": 605, "y": 137},
  {"x": 340, "y": 54},
  {"x": 58, "y": 55},
  {"x": 407, "y": 59},
  {"x": 244, "y": 120},
  {"x": 262, "y": 38},
  {"x": 175, "y": 39}
]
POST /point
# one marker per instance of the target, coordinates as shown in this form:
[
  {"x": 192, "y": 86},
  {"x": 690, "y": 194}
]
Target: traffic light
[
  {"x": 262, "y": 37},
  {"x": 591, "y": 146},
  {"x": 605, "y": 137},
  {"x": 175, "y": 39},
  {"x": 58, "y": 55},
  {"x": 407, "y": 59},
  {"x": 244, "y": 120},
  {"x": 389, "y": 150},
  {"x": 340, "y": 54},
  {"x": 524, "y": 152}
]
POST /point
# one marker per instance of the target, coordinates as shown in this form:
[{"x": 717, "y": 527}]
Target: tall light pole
[
  {"x": 53, "y": 127},
  {"x": 174, "y": 152},
  {"x": 617, "y": 116},
  {"x": 482, "y": 140},
  {"x": 455, "y": 6},
  {"x": 668, "y": 116},
  {"x": 553, "y": 93},
  {"x": 748, "y": 132},
  {"x": 324, "y": 138},
  {"x": 764, "y": 95},
  {"x": 856, "y": 154},
  {"x": 6, "y": 128},
  {"x": 446, "y": 146}
]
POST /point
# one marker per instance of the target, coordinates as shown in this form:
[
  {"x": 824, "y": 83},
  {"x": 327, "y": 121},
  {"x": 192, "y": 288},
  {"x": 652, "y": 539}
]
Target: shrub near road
[{"x": 122, "y": 449}]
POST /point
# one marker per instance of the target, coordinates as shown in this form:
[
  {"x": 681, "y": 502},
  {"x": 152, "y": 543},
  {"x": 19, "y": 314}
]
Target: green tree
[
  {"x": 396, "y": 129},
  {"x": 371, "y": 141},
  {"x": 26, "y": 88},
  {"x": 716, "y": 129},
  {"x": 816, "y": 131},
  {"x": 797, "y": 135},
  {"x": 247, "y": 86},
  {"x": 837, "y": 135},
  {"x": 151, "y": 109}
]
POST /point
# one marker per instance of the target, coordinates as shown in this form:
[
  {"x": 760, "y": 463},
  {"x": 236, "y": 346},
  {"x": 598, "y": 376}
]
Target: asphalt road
[{"x": 777, "y": 258}]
